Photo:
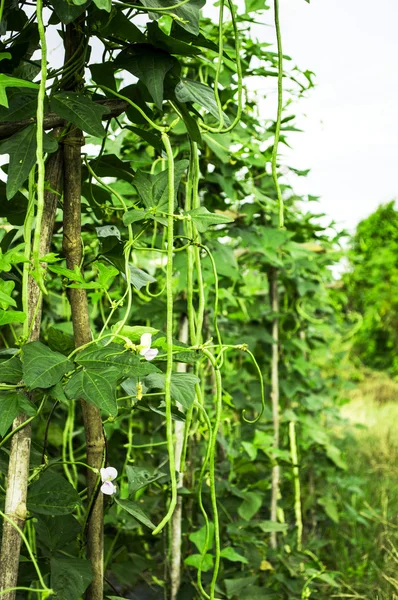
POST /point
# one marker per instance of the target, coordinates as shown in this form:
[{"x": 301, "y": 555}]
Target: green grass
[{"x": 365, "y": 542}]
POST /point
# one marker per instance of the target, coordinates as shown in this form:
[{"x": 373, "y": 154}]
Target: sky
[{"x": 349, "y": 121}]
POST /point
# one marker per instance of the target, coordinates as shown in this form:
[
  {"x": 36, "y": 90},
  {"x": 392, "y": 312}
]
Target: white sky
[{"x": 350, "y": 121}]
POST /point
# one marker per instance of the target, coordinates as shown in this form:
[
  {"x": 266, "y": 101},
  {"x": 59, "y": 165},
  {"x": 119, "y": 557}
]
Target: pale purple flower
[
  {"x": 145, "y": 347},
  {"x": 107, "y": 476}
]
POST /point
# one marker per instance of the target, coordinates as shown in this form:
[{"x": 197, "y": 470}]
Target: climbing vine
[{"x": 136, "y": 327}]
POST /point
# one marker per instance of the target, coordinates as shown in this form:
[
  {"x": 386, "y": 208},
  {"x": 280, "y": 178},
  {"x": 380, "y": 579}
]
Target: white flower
[
  {"x": 145, "y": 347},
  {"x": 107, "y": 476}
]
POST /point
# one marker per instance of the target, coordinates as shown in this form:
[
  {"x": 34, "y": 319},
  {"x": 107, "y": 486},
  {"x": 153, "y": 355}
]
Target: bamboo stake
[
  {"x": 176, "y": 530},
  {"x": 18, "y": 468},
  {"x": 273, "y": 279}
]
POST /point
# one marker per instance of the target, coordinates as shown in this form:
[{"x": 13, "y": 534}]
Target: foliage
[
  {"x": 370, "y": 287},
  {"x": 179, "y": 221}
]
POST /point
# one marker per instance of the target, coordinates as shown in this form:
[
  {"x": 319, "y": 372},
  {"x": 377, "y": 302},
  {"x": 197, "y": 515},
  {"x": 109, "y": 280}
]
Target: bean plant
[{"x": 166, "y": 416}]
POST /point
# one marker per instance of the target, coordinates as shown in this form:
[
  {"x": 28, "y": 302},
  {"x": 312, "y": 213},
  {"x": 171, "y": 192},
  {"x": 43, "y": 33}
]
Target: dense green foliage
[
  {"x": 180, "y": 240},
  {"x": 371, "y": 288}
]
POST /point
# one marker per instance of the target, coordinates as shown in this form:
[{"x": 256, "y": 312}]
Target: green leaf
[
  {"x": 168, "y": 43},
  {"x": 140, "y": 278},
  {"x": 196, "y": 560},
  {"x": 134, "y": 332},
  {"x": 22, "y": 105},
  {"x": 66, "y": 11},
  {"x": 43, "y": 368},
  {"x": 55, "y": 533},
  {"x": 81, "y": 111},
  {"x": 330, "y": 507},
  {"x": 60, "y": 341},
  {"x": 251, "y": 504},
  {"x": 230, "y": 554},
  {"x": 335, "y": 456},
  {"x": 140, "y": 477},
  {"x": 132, "y": 216},
  {"x": 199, "y": 538},
  {"x": 6, "y": 288},
  {"x": 269, "y": 526},
  {"x": 188, "y": 14},
  {"x": 150, "y": 65},
  {"x": 97, "y": 358},
  {"x": 7, "y": 81},
  {"x": 103, "y": 4},
  {"x": 149, "y": 137},
  {"x": 11, "y": 370},
  {"x": 188, "y": 90},
  {"x": 70, "y": 577},
  {"x": 135, "y": 511},
  {"x": 203, "y": 219},
  {"x": 22, "y": 150},
  {"x": 11, "y": 316},
  {"x": 10, "y": 407},
  {"x": 52, "y": 494},
  {"x": 182, "y": 386},
  {"x": 98, "y": 388},
  {"x": 153, "y": 189}
]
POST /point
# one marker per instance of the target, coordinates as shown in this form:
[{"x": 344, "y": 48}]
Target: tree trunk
[
  {"x": 72, "y": 246},
  {"x": 18, "y": 468},
  {"x": 176, "y": 532},
  {"x": 95, "y": 443},
  {"x": 273, "y": 280}
]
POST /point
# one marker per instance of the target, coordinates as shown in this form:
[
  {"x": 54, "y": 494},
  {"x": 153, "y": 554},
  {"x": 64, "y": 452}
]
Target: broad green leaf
[
  {"x": 22, "y": 105},
  {"x": 43, "y": 368},
  {"x": 96, "y": 387},
  {"x": 231, "y": 554},
  {"x": 52, "y": 494},
  {"x": 153, "y": 189},
  {"x": 251, "y": 504},
  {"x": 103, "y": 4},
  {"x": 196, "y": 560},
  {"x": 11, "y": 370},
  {"x": 134, "y": 332},
  {"x": 134, "y": 215},
  {"x": 140, "y": 278},
  {"x": 335, "y": 456},
  {"x": 150, "y": 65},
  {"x": 182, "y": 386},
  {"x": 255, "y": 5},
  {"x": 68, "y": 12},
  {"x": 203, "y": 219},
  {"x": 60, "y": 341},
  {"x": 269, "y": 526},
  {"x": 6, "y": 288},
  {"x": 135, "y": 511},
  {"x": 10, "y": 407},
  {"x": 56, "y": 532},
  {"x": 149, "y": 137},
  {"x": 70, "y": 577},
  {"x": 235, "y": 587},
  {"x": 22, "y": 150},
  {"x": 168, "y": 43},
  {"x": 199, "y": 538},
  {"x": 81, "y": 111},
  {"x": 97, "y": 358},
  {"x": 11, "y": 316},
  {"x": 188, "y": 90},
  {"x": 188, "y": 14},
  {"x": 140, "y": 477},
  {"x": 330, "y": 507},
  {"x": 7, "y": 81}
]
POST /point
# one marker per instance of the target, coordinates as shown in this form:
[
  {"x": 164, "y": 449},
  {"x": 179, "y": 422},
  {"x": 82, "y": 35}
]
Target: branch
[{"x": 51, "y": 120}]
